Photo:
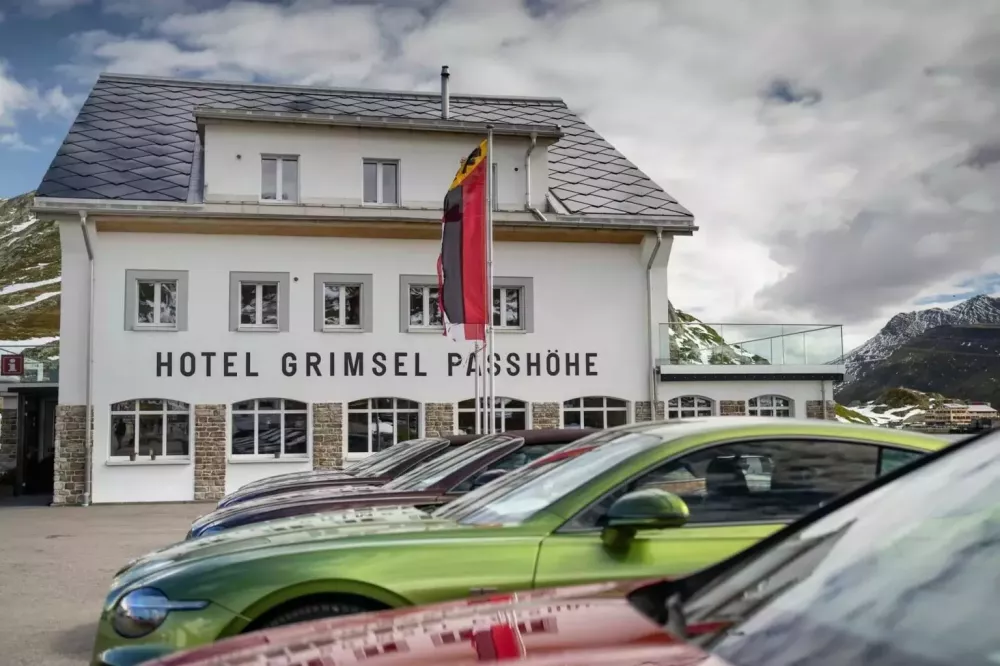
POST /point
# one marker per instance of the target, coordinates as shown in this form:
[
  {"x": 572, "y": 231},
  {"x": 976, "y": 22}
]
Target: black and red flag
[{"x": 462, "y": 263}]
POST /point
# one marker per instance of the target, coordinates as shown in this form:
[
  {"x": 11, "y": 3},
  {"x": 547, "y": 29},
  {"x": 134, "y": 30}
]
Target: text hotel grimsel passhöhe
[{"x": 552, "y": 363}]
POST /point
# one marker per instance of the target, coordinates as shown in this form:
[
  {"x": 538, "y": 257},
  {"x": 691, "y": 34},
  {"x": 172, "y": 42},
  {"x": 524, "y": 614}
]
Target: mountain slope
[
  {"x": 962, "y": 361},
  {"x": 906, "y": 326},
  {"x": 29, "y": 275}
]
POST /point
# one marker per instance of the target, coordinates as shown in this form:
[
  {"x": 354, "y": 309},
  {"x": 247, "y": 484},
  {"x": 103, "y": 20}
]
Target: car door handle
[{"x": 476, "y": 591}]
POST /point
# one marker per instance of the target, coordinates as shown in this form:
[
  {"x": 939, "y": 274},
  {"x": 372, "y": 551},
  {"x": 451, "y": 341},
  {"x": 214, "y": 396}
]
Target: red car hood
[{"x": 591, "y": 624}]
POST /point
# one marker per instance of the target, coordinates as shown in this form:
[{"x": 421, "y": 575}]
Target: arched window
[
  {"x": 595, "y": 412},
  {"x": 690, "y": 406},
  {"x": 511, "y": 414},
  {"x": 270, "y": 427},
  {"x": 770, "y": 405},
  {"x": 374, "y": 424},
  {"x": 150, "y": 428}
]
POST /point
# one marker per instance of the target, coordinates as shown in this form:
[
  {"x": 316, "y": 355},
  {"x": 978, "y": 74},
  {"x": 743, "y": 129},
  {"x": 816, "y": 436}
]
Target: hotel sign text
[{"x": 378, "y": 364}]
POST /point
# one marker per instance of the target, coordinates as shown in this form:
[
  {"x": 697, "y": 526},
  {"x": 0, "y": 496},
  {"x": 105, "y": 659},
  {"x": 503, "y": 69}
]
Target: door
[{"x": 737, "y": 493}]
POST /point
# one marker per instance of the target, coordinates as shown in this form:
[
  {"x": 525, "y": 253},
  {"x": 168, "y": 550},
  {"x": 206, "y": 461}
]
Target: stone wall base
[
  {"x": 732, "y": 408},
  {"x": 69, "y": 473},
  {"x": 8, "y": 439},
  {"x": 643, "y": 412},
  {"x": 328, "y": 435},
  {"x": 545, "y": 415},
  {"x": 209, "y": 452},
  {"x": 439, "y": 419},
  {"x": 814, "y": 410}
]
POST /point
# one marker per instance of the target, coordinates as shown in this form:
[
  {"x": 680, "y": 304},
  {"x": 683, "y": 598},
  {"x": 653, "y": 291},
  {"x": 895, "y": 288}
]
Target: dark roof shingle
[{"x": 134, "y": 139}]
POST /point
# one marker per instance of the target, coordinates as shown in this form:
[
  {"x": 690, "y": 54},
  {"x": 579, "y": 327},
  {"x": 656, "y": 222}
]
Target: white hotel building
[{"x": 249, "y": 286}]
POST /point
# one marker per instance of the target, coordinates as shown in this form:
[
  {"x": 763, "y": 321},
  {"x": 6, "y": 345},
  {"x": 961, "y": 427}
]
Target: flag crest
[{"x": 462, "y": 262}]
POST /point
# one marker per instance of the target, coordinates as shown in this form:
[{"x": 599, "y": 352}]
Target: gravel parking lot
[{"x": 55, "y": 567}]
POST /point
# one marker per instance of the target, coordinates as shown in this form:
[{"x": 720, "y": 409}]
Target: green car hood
[{"x": 311, "y": 530}]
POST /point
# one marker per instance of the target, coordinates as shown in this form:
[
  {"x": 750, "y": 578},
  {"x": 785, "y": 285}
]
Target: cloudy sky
[{"x": 842, "y": 157}]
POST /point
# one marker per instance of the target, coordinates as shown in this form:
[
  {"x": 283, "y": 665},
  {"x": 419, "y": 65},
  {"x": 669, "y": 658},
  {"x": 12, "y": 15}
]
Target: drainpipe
[
  {"x": 527, "y": 177},
  {"x": 89, "y": 437},
  {"x": 653, "y": 379}
]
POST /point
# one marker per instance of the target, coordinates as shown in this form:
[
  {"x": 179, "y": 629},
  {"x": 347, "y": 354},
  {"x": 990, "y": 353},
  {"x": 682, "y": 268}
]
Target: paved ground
[{"x": 55, "y": 567}]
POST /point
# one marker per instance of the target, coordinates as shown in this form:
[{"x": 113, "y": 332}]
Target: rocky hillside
[
  {"x": 892, "y": 408},
  {"x": 29, "y": 278},
  {"x": 906, "y": 326},
  {"x": 693, "y": 342},
  {"x": 957, "y": 361}
]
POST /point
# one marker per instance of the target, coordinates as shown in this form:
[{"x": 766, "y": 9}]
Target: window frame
[
  {"x": 278, "y": 185},
  {"x": 236, "y": 280},
  {"x": 501, "y": 411},
  {"x": 604, "y": 409},
  {"x": 379, "y": 162},
  {"x": 566, "y": 528},
  {"x": 405, "y": 283},
  {"x": 364, "y": 281},
  {"x": 256, "y": 456},
  {"x": 790, "y": 407},
  {"x": 132, "y": 279},
  {"x": 350, "y": 456},
  {"x": 679, "y": 409},
  {"x": 525, "y": 284},
  {"x": 162, "y": 458}
]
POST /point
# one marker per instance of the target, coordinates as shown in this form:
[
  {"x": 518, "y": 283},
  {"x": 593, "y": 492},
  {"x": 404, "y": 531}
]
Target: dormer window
[
  {"x": 381, "y": 182},
  {"x": 279, "y": 178}
]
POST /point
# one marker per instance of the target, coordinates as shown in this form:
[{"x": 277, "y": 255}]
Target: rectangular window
[
  {"x": 342, "y": 302},
  {"x": 155, "y": 300},
  {"x": 425, "y": 310},
  {"x": 279, "y": 179},
  {"x": 270, "y": 427},
  {"x": 258, "y": 301},
  {"x": 507, "y": 308},
  {"x": 381, "y": 182},
  {"x": 150, "y": 429}
]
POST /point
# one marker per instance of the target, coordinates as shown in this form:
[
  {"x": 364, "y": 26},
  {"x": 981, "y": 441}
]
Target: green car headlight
[{"x": 141, "y": 611}]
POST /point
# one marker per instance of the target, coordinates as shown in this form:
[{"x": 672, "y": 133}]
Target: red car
[{"x": 901, "y": 572}]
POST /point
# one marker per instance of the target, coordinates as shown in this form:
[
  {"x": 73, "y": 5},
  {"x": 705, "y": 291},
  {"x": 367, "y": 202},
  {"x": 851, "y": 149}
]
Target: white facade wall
[
  {"x": 798, "y": 392},
  {"x": 576, "y": 310},
  {"x": 330, "y": 163}
]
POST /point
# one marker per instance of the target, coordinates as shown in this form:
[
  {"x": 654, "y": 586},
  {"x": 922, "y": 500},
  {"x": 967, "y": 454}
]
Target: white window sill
[
  {"x": 425, "y": 329},
  {"x": 511, "y": 331},
  {"x": 126, "y": 462},
  {"x": 355, "y": 457},
  {"x": 275, "y": 202},
  {"x": 142, "y": 328},
  {"x": 379, "y": 204},
  {"x": 257, "y": 459},
  {"x": 255, "y": 329},
  {"x": 343, "y": 329}
]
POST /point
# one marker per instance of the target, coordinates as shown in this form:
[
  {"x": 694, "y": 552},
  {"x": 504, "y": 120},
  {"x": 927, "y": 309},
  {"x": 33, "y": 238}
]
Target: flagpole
[
  {"x": 489, "y": 263},
  {"x": 479, "y": 412}
]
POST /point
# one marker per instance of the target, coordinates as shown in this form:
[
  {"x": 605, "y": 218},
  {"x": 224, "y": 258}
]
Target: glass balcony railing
[
  {"x": 40, "y": 364},
  {"x": 696, "y": 343}
]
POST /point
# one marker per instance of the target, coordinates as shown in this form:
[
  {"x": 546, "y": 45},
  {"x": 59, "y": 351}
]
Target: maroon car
[
  {"x": 375, "y": 470},
  {"x": 429, "y": 485}
]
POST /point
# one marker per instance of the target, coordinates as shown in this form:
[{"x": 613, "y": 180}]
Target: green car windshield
[
  {"x": 517, "y": 496},
  {"x": 410, "y": 448},
  {"x": 425, "y": 476}
]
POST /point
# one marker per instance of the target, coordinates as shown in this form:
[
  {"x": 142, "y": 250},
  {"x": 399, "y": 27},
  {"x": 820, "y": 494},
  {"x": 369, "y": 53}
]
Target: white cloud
[
  {"x": 49, "y": 8},
  {"x": 16, "y": 98},
  {"x": 810, "y": 210},
  {"x": 13, "y": 141}
]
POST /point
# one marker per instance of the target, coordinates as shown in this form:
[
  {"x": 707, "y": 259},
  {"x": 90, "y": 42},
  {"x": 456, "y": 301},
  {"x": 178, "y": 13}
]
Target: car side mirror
[
  {"x": 647, "y": 509},
  {"x": 487, "y": 476}
]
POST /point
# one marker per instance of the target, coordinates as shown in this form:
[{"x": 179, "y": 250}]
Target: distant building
[{"x": 954, "y": 414}]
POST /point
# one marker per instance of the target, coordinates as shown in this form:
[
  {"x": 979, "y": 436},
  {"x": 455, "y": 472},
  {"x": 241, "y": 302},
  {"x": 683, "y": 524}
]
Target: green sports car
[{"x": 637, "y": 501}]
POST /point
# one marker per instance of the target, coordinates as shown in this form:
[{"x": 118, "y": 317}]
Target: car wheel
[{"x": 313, "y": 610}]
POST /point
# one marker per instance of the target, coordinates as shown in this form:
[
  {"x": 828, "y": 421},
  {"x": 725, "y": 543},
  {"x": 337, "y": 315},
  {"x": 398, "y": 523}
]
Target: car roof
[
  {"x": 542, "y": 436},
  {"x": 736, "y": 426}
]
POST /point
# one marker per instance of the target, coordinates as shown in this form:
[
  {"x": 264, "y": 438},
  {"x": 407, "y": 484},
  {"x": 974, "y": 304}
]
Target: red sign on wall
[{"x": 11, "y": 365}]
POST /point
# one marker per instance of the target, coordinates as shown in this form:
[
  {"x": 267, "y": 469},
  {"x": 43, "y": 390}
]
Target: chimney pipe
[{"x": 445, "y": 111}]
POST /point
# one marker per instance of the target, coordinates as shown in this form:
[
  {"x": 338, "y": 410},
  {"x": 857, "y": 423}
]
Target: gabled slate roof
[{"x": 134, "y": 140}]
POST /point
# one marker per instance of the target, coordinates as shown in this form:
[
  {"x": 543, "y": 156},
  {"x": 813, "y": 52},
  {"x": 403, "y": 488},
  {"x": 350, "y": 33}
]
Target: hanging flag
[{"x": 462, "y": 262}]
